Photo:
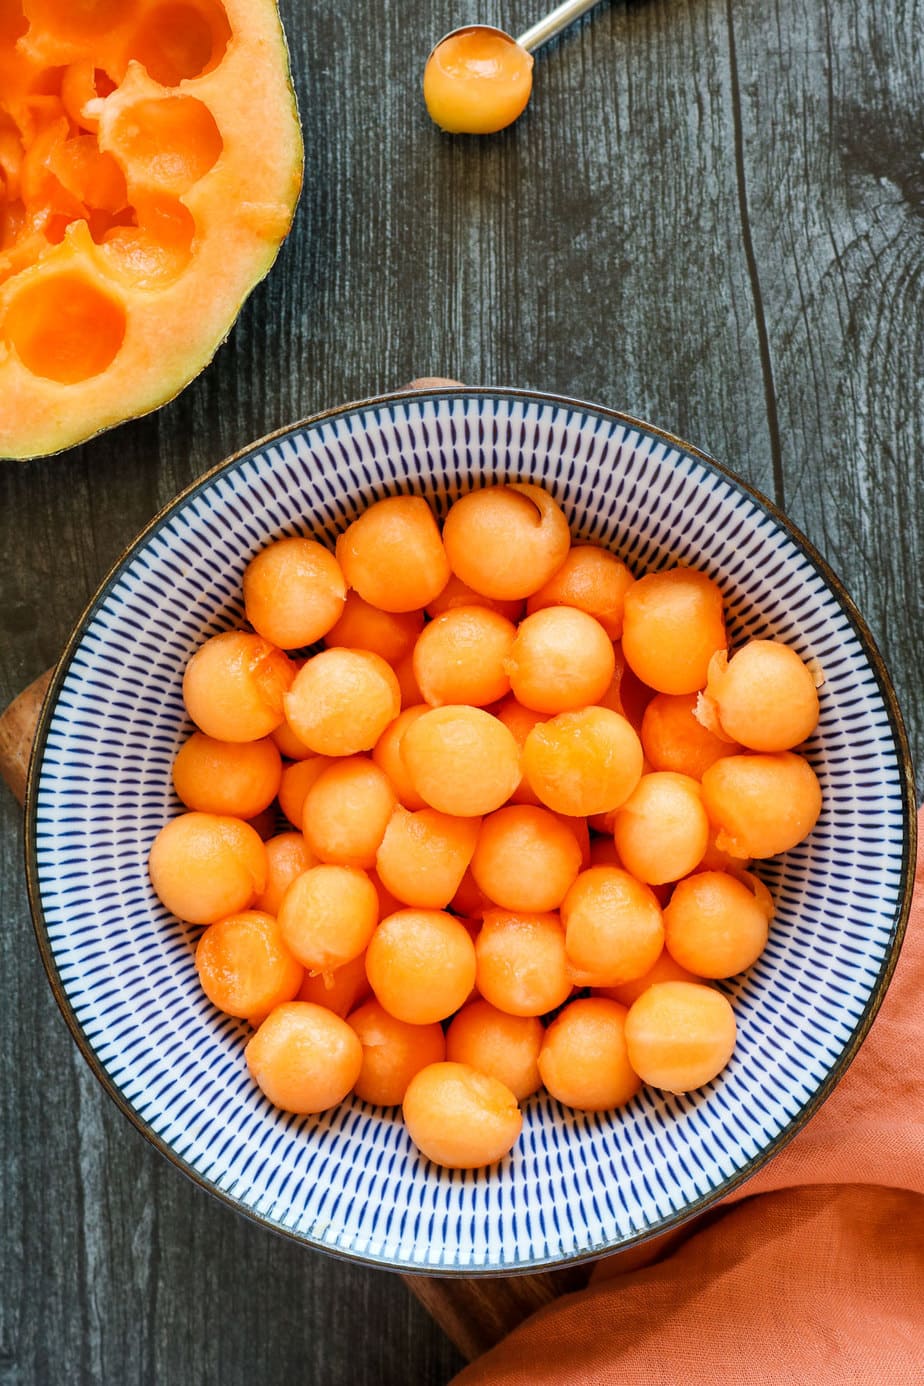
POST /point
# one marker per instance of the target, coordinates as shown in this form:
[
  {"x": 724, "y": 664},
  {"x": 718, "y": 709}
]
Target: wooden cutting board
[{"x": 474, "y": 1314}]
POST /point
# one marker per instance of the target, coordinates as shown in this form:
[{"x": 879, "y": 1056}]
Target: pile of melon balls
[{"x": 524, "y": 789}]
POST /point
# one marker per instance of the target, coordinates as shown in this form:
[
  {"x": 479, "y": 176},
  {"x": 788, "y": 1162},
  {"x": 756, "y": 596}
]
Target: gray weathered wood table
[{"x": 712, "y": 216}]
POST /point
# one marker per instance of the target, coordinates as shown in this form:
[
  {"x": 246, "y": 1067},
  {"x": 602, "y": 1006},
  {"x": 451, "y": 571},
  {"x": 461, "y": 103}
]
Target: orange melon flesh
[{"x": 150, "y": 163}]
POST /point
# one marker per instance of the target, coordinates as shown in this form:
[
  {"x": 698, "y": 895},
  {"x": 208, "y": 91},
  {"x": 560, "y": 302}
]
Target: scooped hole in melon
[
  {"x": 84, "y": 82},
  {"x": 93, "y": 177},
  {"x": 64, "y": 328},
  {"x": 77, "y": 19},
  {"x": 155, "y": 251},
  {"x": 170, "y": 142},
  {"x": 11, "y": 219},
  {"x": 180, "y": 41}
]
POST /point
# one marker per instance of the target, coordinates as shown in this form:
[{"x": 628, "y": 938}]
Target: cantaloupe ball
[
  {"x": 295, "y": 783},
  {"x": 340, "y": 991},
  {"x": 665, "y": 969},
  {"x": 584, "y": 1060},
  {"x": 629, "y": 696},
  {"x": 264, "y": 823},
  {"x": 244, "y": 965},
  {"x": 287, "y": 856},
  {"x": 388, "y": 903},
  {"x": 347, "y": 810},
  {"x": 504, "y": 1046},
  {"x": 662, "y": 830},
  {"x": 583, "y": 762},
  {"x": 672, "y": 626},
  {"x": 562, "y": 659},
  {"x": 764, "y": 696},
  {"x": 756, "y": 886},
  {"x": 762, "y": 804},
  {"x": 393, "y": 554},
  {"x": 470, "y": 900},
  {"x": 421, "y": 965},
  {"x": 680, "y": 1035},
  {"x": 578, "y": 826},
  {"x": 461, "y": 760},
  {"x": 603, "y": 853},
  {"x": 328, "y": 916},
  {"x": 293, "y": 592},
  {"x": 612, "y": 697},
  {"x": 674, "y": 739},
  {"x": 204, "y": 866},
  {"x": 506, "y": 541},
  {"x": 387, "y": 756},
  {"x": 522, "y": 967},
  {"x": 519, "y": 721},
  {"x": 458, "y": 593},
  {"x": 393, "y": 1052},
  {"x": 460, "y": 1118},
  {"x": 613, "y": 926},
  {"x": 235, "y": 685},
  {"x": 460, "y": 657},
  {"x": 526, "y": 859},
  {"x": 390, "y": 634},
  {"x": 424, "y": 855},
  {"x": 407, "y": 681},
  {"x": 304, "y": 1058},
  {"x": 342, "y": 701},
  {"x": 715, "y": 925},
  {"x": 472, "y": 924},
  {"x": 594, "y": 581},
  {"x": 714, "y": 859},
  {"x": 603, "y": 822},
  {"x": 477, "y": 81},
  {"x": 290, "y": 745},
  {"x": 240, "y": 778},
  {"x": 473, "y": 927}
]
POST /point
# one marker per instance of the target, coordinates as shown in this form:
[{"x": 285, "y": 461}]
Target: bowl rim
[{"x": 886, "y": 691}]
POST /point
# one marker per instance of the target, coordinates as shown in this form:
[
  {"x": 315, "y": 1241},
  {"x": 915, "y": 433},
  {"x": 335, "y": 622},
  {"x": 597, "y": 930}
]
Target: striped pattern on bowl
[{"x": 350, "y": 1181}]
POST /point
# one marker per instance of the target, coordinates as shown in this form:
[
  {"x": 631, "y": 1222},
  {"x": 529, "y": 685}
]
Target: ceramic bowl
[{"x": 350, "y": 1182}]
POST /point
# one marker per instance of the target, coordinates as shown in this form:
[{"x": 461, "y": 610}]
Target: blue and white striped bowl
[{"x": 350, "y": 1181}]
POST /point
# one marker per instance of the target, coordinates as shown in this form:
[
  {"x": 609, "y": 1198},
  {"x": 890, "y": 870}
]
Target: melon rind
[{"x": 243, "y": 207}]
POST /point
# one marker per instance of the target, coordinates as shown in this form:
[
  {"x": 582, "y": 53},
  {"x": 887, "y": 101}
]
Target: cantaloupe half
[{"x": 150, "y": 163}]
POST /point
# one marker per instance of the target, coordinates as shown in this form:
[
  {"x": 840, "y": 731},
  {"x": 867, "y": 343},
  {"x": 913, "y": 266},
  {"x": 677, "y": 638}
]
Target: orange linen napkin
[{"x": 811, "y": 1274}]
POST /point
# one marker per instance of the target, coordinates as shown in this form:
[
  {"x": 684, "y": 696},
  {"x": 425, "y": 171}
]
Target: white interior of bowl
[{"x": 350, "y": 1181}]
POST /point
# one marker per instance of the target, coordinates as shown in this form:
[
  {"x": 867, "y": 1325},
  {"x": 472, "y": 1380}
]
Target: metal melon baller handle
[{"x": 553, "y": 23}]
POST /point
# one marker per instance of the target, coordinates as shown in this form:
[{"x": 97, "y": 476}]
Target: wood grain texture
[
  {"x": 476, "y": 1314},
  {"x": 711, "y": 216}
]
